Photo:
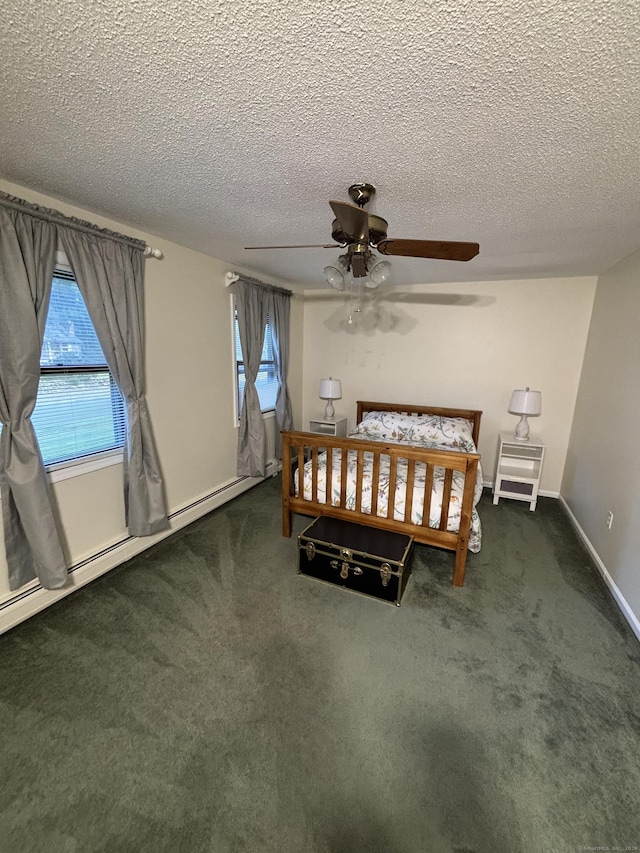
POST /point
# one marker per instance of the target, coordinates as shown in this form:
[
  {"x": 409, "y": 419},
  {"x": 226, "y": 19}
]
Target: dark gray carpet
[{"x": 205, "y": 697}]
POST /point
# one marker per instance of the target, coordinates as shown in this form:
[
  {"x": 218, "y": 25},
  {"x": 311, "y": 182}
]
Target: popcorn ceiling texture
[{"x": 223, "y": 124}]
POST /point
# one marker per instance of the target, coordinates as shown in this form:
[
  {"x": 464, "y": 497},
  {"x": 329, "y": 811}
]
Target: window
[
  {"x": 266, "y": 380},
  {"x": 79, "y": 411}
]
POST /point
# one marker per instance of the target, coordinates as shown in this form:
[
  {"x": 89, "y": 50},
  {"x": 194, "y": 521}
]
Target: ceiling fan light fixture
[
  {"x": 335, "y": 273},
  {"x": 379, "y": 271}
]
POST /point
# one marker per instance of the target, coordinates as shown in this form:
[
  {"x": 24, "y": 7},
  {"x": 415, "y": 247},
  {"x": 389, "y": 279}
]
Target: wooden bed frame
[{"x": 300, "y": 447}]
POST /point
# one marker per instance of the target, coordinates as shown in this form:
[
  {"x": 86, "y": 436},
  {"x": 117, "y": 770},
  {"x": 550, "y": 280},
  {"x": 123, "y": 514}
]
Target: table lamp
[
  {"x": 330, "y": 390},
  {"x": 524, "y": 403}
]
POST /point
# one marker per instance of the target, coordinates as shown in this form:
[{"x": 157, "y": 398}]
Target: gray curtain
[
  {"x": 279, "y": 313},
  {"x": 252, "y": 305},
  {"x": 32, "y": 542},
  {"x": 110, "y": 276}
]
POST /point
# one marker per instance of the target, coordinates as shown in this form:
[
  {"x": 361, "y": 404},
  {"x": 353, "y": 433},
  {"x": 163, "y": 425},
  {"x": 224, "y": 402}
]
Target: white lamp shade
[
  {"x": 336, "y": 272},
  {"x": 525, "y": 402},
  {"x": 379, "y": 271},
  {"x": 330, "y": 389}
]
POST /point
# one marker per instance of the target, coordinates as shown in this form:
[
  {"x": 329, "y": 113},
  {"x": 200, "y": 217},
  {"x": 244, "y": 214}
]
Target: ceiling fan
[{"x": 358, "y": 231}]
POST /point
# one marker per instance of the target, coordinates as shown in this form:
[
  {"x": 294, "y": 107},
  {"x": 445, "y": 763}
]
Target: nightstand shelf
[
  {"x": 329, "y": 426},
  {"x": 518, "y": 469}
]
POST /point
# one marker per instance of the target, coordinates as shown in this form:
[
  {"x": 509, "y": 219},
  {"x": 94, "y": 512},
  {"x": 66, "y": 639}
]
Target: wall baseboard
[
  {"x": 32, "y": 598},
  {"x": 619, "y": 598}
]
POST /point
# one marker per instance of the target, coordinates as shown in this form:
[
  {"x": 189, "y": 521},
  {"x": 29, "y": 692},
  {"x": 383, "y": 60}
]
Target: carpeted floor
[{"x": 205, "y": 697}]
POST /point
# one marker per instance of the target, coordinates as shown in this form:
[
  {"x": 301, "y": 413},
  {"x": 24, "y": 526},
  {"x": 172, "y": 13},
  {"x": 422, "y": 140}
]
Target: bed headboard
[{"x": 472, "y": 415}]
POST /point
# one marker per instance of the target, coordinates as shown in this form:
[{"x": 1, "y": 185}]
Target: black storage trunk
[{"x": 363, "y": 559}]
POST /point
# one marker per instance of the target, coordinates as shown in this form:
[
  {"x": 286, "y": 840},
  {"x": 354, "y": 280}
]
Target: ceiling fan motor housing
[{"x": 377, "y": 231}]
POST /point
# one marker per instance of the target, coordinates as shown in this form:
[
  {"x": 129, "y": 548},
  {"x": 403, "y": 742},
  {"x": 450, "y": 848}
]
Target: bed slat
[
  {"x": 359, "y": 469},
  {"x": 343, "y": 477},
  {"x": 446, "y": 498},
  {"x": 300, "y": 469},
  {"x": 428, "y": 492},
  {"x": 375, "y": 483},
  {"x": 329, "y": 473},
  {"x": 408, "y": 498},
  {"x": 314, "y": 473},
  {"x": 393, "y": 477}
]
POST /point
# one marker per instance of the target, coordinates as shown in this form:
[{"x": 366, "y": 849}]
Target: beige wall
[
  {"x": 189, "y": 389},
  {"x": 603, "y": 463},
  {"x": 463, "y": 345}
]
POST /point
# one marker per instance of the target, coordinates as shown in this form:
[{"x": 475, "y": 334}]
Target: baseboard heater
[{"x": 33, "y": 598}]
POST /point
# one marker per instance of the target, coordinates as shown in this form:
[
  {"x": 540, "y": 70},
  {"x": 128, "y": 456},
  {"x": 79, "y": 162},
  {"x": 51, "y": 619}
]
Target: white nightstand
[
  {"x": 518, "y": 469},
  {"x": 329, "y": 426}
]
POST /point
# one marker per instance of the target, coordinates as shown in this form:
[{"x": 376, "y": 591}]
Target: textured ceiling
[{"x": 217, "y": 124}]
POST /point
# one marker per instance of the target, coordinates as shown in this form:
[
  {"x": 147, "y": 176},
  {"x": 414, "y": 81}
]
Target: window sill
[
  {"x": 266, "y": 416},
  {"x": 77, "y": 467}
]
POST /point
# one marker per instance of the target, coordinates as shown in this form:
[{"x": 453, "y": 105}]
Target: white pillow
[
  {"x": 390, "y": 426},
  {"x": 420, "y": 430},
  {"x": 448, "y": 432}
]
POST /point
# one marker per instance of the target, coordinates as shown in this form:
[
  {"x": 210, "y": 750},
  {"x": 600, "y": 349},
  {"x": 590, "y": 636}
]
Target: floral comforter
[{"x": 455, "y": 504}]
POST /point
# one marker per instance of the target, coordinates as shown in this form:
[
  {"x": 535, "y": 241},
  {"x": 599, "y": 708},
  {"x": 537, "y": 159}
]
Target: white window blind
[
  {"x": 79, "y": 410},
  {"x": 266, "y": 380}
]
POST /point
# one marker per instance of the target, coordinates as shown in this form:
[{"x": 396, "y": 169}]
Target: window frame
[
  {"x": 266, "y": 413},
  {"x": 67, "y": 468}
]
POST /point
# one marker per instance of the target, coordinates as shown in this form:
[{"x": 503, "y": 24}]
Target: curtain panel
[
  {"x": 110, "y": 276},
  {"x": 251, "y": 305},
  {"x": 32, "y": 541},
  {"x": 109, "y": 270},
  {"x": 279, "y": 313},
  {"x": 255, "y": 302}
]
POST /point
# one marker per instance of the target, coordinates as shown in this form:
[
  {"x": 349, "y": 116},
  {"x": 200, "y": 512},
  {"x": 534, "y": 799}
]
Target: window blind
[
  {"x": 79, "y": 410},
  {"x": 266, "y": 380}
]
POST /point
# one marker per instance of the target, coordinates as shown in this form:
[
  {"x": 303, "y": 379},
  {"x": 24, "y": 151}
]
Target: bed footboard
[{"x": 300, "y": 448}]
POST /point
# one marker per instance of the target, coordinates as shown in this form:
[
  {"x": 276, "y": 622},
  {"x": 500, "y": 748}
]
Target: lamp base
[
  {"x": 329, "y": 411},
  {"x": 522, "y": 429}
]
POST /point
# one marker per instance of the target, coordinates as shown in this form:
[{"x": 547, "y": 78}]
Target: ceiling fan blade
[
  {"x": 310, "y": 246},
  {"x": 441, "y": 250},
  {"x": 353, "y": 220}
]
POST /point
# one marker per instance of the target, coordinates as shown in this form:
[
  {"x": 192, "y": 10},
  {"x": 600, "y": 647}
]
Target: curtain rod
[
  {"x": 231, "y": 277},
  {"x": 57, "y": 218}
]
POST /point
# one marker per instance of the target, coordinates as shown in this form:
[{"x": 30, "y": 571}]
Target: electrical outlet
[{"x": 609, "y": 520}]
